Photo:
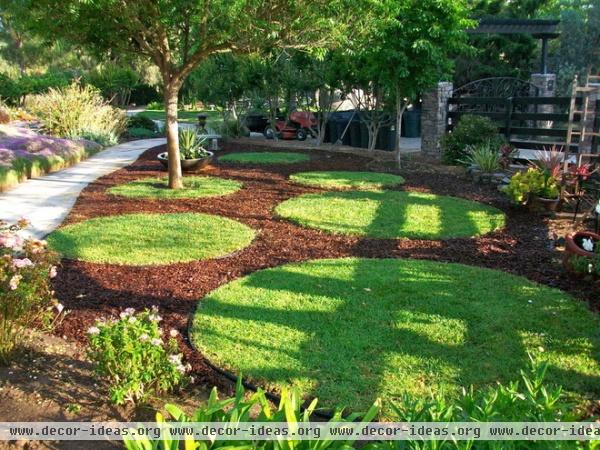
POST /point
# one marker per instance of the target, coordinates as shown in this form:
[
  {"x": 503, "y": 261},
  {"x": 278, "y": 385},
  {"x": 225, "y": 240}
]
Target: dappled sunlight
[
  {"x": 392, "y": 214},
  {"x": 350, "y": 330}
]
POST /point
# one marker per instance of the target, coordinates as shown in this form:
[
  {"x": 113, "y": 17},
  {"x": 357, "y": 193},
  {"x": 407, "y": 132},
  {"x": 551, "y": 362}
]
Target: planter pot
[
  {"x": 540, "y": 203},
  {"x": 187, "y": 165},
  {"x": 573, "y": 246}
]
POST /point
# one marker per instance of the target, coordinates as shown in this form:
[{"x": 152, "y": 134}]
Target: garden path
[{"x": 46, "y": 201}]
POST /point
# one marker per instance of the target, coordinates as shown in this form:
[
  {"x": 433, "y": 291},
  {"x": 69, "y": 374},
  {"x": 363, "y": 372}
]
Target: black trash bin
[
  {"x": 386, "y": 138},
  {"x": 355, "y": 132},
  {"x": 339, "y": 122},
  {"x": 411, "y": 123}
]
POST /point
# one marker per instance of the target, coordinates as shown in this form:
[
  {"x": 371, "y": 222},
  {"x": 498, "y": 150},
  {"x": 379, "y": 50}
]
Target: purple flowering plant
[{"x": 26, "y": 295}]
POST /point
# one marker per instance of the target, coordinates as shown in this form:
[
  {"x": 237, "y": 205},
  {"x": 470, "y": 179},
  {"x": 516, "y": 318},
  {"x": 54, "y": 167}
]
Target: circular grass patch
[
  {"x": 347, "y": 180},
  {"x": 392, "y": 214},
  {"x": 350, "y": 330},
  {"x": 265, "y": 158},
  {"x": 143, "y": 239},
  {"x": 194, "y": 187}
]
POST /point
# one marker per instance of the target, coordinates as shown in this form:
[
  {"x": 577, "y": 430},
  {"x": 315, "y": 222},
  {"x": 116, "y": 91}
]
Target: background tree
[{"x": 177, "y": 35}]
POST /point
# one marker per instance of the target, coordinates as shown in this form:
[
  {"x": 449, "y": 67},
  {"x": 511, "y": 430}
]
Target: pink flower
[
  {"x": 21, "y": 263},
  {"x": 11, "y": 240},
  {"x": 14, "y": 282},
  {"x": 52, "y": 272}
]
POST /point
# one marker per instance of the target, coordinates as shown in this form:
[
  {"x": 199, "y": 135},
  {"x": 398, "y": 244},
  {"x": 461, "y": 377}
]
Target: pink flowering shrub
[
  {"x": 134, "y": 357},
  {"x": 26, "y": 296},
  {"x": 25, "y": 154}
]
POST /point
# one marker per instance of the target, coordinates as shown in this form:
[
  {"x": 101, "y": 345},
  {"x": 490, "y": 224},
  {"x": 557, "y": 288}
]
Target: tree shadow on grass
[{"x": 414, "y": 327}]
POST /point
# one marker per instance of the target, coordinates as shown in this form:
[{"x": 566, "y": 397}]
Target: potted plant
[
  {"x": 193, "y": 154},
  {"x": 582, "y": 253},
  {"x": 535, "y": 187}
]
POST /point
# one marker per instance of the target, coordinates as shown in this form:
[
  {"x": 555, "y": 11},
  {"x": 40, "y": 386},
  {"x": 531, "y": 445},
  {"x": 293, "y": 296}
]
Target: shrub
[
  {"x": 532, "y": 182},
  {"x": 141, "y": 133},
  {"x": 232, "y": 128},
  {"x": 156, "y": 106},
  {"x": 114, "y": 83},
  {"x": 485, "y": 156},
  {"x": 469, "y": 131},
  {"x": 139, "y": 121},
  {"x": 526, "y": 400},
  {"x": 130, "y": 353},
  {"x": 78, "y": 112},
  {"x": 144, "y": 94},
  {"x": 26, "y": 295}
]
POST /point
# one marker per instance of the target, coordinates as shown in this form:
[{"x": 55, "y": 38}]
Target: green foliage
[
  {"x": 141, "y": 133},
  {"x": 232, "y": 128},
  {"x": 26, "y": 294},
  {"x": 131, "y": 355},
  {"x": 434, "y": 313},
  {"x": 139, "y": 239},
  {"x": 265, "y": 158},
  {"x": 15, "y": 90},
  {"x": 587, "y": 265},
  {"x": 470, "y": 131},
  {"x": 485, "y": 156},
  {"x": 78, "y": 111},
  {"x": 190, "y": 145},
  {"x": 530, "y": 399},
  {"x": 534, "y": 181},
  {"x": 255, "y": 408},
  {"x": 115, "y": 83},
  {"x": 193, "y": 187},
  {"x": 392, "y": 214},
  {"x": 141, "y": 121},
  {"x": 348, "y": 180},
  {"x": 144, "y": 94}
]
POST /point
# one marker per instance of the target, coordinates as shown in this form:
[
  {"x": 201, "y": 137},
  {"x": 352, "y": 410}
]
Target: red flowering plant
[{"x": 26, "y": 295}]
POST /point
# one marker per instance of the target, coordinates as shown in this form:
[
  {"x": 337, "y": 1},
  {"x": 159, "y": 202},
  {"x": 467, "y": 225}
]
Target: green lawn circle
[
  {"x": 265, "y": 158},
  {"x": 347, "y": 180},
  {"x": 392, "y": 214},
  {"x": 151, "y": 239},
  {"x": 350, "y": 330},
  {"x": 194, "y": 187}
]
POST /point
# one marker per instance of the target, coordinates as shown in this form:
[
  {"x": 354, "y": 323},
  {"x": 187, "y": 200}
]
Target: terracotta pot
[
  {"x": 187, "y": 165},
  {"x": 572, "y": 246}
]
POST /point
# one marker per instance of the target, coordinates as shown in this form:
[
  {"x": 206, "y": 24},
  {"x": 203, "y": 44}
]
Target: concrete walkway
[{"x": 46, "y": 201}]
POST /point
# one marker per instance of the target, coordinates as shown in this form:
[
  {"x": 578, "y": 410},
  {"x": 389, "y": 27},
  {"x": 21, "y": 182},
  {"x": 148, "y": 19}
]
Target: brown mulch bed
[{"x": 94, "y": 290}]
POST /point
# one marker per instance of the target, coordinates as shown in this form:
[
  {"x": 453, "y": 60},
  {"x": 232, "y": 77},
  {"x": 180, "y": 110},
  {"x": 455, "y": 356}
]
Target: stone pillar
[
  {"x": 546, "y": 84},
  {"x": 434, "y": 118}
]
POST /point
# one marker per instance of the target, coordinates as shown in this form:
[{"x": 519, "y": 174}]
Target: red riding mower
[{"x": 299, "y": 125}]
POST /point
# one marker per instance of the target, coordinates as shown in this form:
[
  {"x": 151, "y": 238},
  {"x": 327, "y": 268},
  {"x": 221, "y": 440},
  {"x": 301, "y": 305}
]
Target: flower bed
[{"x": 25, "y": 154}]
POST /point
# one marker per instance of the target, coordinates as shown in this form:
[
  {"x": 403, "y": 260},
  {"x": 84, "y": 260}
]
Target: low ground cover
[
  {"x": 194, "y": 187},
  {"x": 265, "y": 158},
  {"x": 25, "y": 154},
  {"x": 392, "y": 214},
  {"x": 347, "y": 180},
  {"x": 350, "y": 330},
  {"x": 144, "y": 239}
]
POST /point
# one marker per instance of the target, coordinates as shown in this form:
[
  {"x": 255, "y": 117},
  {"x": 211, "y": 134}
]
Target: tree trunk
[
  {"x": 400, "y": 108},
  {"x": 172, "y": 131}
]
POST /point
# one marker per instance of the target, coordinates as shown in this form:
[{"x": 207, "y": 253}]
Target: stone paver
[{"x": 46, "y": 201}]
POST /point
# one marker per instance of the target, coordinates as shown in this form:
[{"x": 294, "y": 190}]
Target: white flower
[
  {"x": 156, "y": 341},
  {"x": 154, "y": 317},
  {"x": 132, "y": 320},
  {"x": 175, "y": 359},
  {"x": 590, "y": 268},
  {"x": 598, "y": 208},
  {"x": 14, "y": 282},
  {"x": 144, "y": 337},
  {"x": 52, "y": 272},
  {"x": 59, "y": 307},
  {"x": 587, "y": 244},
  {"x": 173, "y": 332},
  {"x": 130, "y": 310},
  {"x": 93, "y": 330},
  {"x": 154, "y": 308},
  {"x": 123, "y": 315}
]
